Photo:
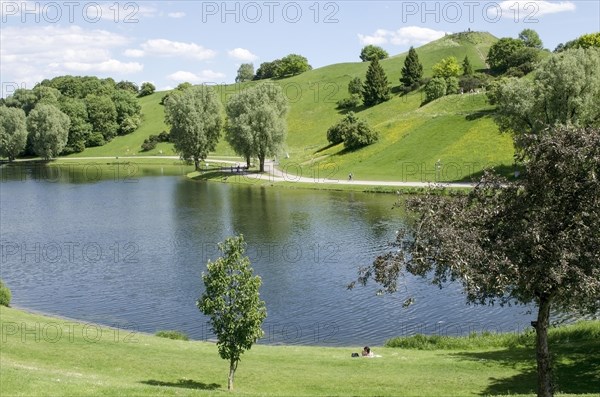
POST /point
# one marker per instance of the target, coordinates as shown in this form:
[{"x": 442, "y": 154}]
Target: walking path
[{"x": 274, "y": 174}]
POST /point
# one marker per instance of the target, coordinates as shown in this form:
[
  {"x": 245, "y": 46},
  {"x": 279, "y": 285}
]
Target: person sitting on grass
[{"x": 367, "y": 352}]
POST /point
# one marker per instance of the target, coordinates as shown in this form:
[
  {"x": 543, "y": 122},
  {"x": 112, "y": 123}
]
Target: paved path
[{"x": 274, "y": 174}]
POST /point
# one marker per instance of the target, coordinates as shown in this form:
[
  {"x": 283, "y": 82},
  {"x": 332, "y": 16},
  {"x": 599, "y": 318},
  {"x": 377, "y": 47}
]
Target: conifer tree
[
  {"x": 467, "y": 68},
  {"x": 412, "y": 72},
  {"x": 375, "y": 89}
]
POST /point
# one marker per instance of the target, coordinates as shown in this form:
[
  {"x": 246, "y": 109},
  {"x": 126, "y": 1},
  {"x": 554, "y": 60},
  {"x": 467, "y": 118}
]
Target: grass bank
[{"x": 47, "y": 356}]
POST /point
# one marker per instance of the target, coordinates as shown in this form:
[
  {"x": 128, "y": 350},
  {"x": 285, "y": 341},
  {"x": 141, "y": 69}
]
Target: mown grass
[
  {"x": 457, "y": 130},
  {"x": 48, "y": 356}
]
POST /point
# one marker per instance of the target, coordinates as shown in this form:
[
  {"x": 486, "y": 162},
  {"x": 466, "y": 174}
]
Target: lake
[{"x": 103, "y": 245}]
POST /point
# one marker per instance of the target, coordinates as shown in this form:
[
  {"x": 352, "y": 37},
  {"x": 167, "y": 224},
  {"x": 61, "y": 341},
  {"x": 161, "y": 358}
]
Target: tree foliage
[
  {"x": 195, "y": 117},
  {"x": 256, "y": 122},
  {"x": 355, "y": 86},
  {"x": 501, "y": 52},
  {"x": 565, "y": 90},
  {"x": 435, "y": 88},
  {"x": 13, "y": 132},
  {"x": 467, "y": 67},
  {"x": 232, "y": 301},
  {"x": 128, "y": 86},
  {"x": 102, "y": 114},
  {"x": 586, "y": 41},
  {"x": 146, "y": 89},
  {"x": 245, "y": 73},
  {"x": 354, "y": 132},
  {"x": 531, "y": 39},
  {"x": 529, "y": 242},
  {"x": 412, "y": 71},
  {"x": 80, "y": 129},
  {"x": 371, "y": 52},
  {"x": 290, "y": 65},
  {"x": 447, "y": 67},
  {"x": 48, "y": 130},
  {"x": 376, "y": 87}
]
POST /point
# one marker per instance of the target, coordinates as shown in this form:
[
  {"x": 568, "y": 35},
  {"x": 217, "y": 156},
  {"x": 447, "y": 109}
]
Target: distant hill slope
[{"x": 456, "y": 130}]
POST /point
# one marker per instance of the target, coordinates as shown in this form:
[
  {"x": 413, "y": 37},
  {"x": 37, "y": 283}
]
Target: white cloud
[
  {"x": 531, "y": 8},
  {"x": 133, "y": 53},
  {"x": 33, "y": 53},
  {"x": 410, "y": 35},
  {"x": 168, "y": 48},
  {"x": 204, "y": 76},
  {"x": 242, "y": 54},
  {"x": 109, "y": 66},
  {"x": 178, "y": 14}
]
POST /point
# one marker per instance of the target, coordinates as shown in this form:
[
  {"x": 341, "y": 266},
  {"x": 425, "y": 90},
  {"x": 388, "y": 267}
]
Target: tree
[
  {"x": 355, "y": 86},
  {"x": 355, "y": 133},
  {"x": 232, "y": 301},
  {"x": 256, "y": 122},
  {"x": 195, "y": 117},
  {"x": 80, "y": 130},
  {"x": 466, "y": 66},
  {"x": 292, "y": 65},
  {"x": 447, "y": 67},
  {"x": 452, "y": 85},
  {"x": 531, "y": 39},
  {"x": 435, "y": 88},
  {"x": 530, "y": 242},
  {"x": 371, "y": 52},
  {"x": 128, "y": 86},
  {"x": 565, "y": 90},
  {"x": 102, "y": 115},
  {"x": 13, "y": 132},
  {"x": 412, "y": 71},
  {"x": 500, "y": 53},
  {"x": 375, "y": 89},
  {"x": 128, "y": 111},
  {"x": 245, "y": 73},
  {"x": 268, "y": 70},
  {"x": 146, "y": 89},
  {"x": 48, "y": 130}
]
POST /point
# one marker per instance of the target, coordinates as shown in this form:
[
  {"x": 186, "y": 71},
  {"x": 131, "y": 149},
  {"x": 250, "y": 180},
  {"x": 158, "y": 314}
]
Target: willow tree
[
  {"x": 534, "y": 241},
  {"x": 196, "y": 121}
]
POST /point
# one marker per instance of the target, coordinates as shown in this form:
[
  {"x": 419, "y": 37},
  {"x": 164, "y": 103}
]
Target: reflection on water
[{"x": 129, "y": 252}]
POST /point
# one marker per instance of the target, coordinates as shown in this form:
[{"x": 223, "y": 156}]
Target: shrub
[
  {"x": 148, "y": 145},
  {"x": 349, "y": 103},
  {"x": 164, "y": 137},
  {"x": 5, "y": 295},
  {"x": 170, "y": 334},
  {"x": 452, "y": 85},
  {"x": 96, "y": 139},
  {"x": 436, "y": 88},
  {"x": 353, "y": 132},
  {"x": 335, "y": 134}
]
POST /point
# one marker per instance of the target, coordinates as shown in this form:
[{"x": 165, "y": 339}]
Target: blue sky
[{"x": 169, "y": 42}]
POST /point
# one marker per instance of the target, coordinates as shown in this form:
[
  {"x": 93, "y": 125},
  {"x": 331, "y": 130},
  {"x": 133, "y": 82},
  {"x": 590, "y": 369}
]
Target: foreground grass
[{"x": 46, "y": 356}]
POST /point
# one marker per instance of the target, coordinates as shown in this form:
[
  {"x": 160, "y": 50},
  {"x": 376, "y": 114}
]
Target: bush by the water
[
  {"x": 151, "y": 142},
  {"x": 170, "y": 334},
  {"x": 5, "y": 294}
]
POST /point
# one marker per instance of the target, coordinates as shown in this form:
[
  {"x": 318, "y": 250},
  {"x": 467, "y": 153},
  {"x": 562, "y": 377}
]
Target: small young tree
[
  {"x": 412, "y": 72},
  {"x": 436, "y": 88},
  {"x": 355, "y": 86},
  {"x": 447, "y": 67},
  {"x": 375, "y": 89},
  {"x": 232, "y": 301},
  {"x": 147, "y": 88},
  {"x": 466, "y": 66}
]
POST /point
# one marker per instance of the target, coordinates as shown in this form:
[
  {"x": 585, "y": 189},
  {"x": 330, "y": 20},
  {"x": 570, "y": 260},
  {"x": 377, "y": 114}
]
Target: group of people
[{"x": 365, "y": 353}]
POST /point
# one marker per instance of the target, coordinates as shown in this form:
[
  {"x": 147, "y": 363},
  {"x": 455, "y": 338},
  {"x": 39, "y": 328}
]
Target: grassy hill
[
  {"x": 47, "y": 356},
  {"x": 457, "y": 129}
]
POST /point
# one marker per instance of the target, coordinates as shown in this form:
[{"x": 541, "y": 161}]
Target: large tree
[
  {"x": 501, "y": 52},
  {"x": 565, "y": 90},
  {"x": 256, "y": 122},
  {"x": 232, "y": 301},
  {"x": 13, "y": 132},
  {"x": 412, "y": 71},
  {"x": 102, "y": 115},
  {"x": 48, "y": 130},
  {"x": 245, "y": 73},
  {"x": 195, "y": 117},
  {"x": 376, "y": 87},
  {"x": 370, "y": 52},
  {"x": 534, "y": 241},
  {"x": 531, "y": 38},
  {"x": 292, "y": 65},
  {"x": 80, "y": 130}
]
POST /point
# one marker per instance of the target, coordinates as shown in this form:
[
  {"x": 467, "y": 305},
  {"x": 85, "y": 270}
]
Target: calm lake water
[{"x": 107, "y": 247}]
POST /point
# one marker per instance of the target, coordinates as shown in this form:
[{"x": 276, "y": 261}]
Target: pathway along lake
[{"x": 128, "y": 252}]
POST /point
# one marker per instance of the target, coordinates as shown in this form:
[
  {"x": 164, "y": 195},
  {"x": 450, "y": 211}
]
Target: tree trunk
[
  {"x": 248, "y": 161},
  {"x": 544, "y": 368},
  {"x": 232, "y": 367},
  {"x": 197, "y": 163},
  {"x": 262, "y": 163}
]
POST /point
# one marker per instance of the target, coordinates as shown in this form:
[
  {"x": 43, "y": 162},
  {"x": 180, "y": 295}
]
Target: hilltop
[{"x": 457, "y": 130}]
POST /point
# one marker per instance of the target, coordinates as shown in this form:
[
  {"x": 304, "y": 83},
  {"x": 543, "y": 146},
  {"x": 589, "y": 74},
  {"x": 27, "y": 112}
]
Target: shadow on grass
[
  {"x": 326, "y": 147},
  {"x": 576, "y": 368},
  {"x": 480, "y": 114},
  {"x": 184, "y": 384},
  {"x": 507, "y": 171}
]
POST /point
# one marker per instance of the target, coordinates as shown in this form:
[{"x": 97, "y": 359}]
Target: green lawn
[
  {"x": 47, "y": 356},
  {"x": 457, "y": 130}
]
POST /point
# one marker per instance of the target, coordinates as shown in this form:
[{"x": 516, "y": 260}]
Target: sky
[{"x": 169, "y": 42}]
